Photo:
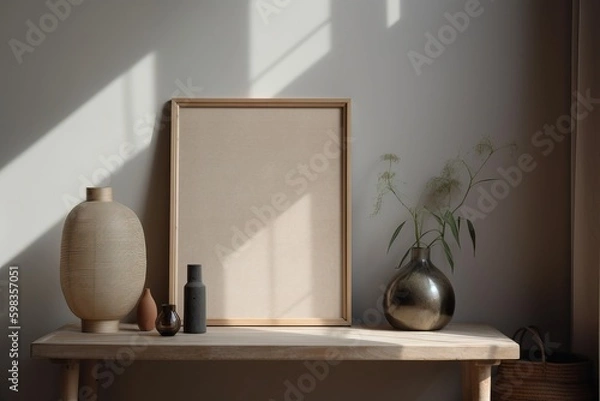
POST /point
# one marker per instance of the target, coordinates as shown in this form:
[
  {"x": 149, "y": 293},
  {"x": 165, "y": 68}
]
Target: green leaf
[
  {"x": 459, "y": 221},
  {"x": 437, "y": 218},
  {"x": 472, "y": 234},
  {"x": 449, "y": 217},
  {"x": 448, "y": 254},
  {"x": 484, "y": 180},
  {"x": 404, "y": 257},
  {"x": 396, "y": 234}
]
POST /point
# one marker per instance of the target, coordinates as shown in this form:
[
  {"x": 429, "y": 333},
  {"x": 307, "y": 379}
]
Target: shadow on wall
[
  {"x": 72, "y": 63},
  {"x": 42, "y": 305}
]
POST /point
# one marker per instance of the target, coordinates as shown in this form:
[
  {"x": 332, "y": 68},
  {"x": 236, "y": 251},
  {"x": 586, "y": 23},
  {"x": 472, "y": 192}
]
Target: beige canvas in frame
[{"x": 260, "y": 197}]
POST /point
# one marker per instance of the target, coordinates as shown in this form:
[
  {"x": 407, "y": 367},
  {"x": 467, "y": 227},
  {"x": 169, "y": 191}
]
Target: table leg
[
  {"x": 69, "y": 380},
  {"x": 477, "y": 380}
]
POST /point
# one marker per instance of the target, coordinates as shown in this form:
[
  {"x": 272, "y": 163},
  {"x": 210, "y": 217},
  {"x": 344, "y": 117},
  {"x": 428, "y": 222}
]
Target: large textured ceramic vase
[
  {"x": 102, "y": 261},
  {"x": 420, "y": 296}
]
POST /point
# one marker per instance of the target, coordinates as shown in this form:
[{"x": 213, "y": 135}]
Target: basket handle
[{"x": 535, "y": 335}]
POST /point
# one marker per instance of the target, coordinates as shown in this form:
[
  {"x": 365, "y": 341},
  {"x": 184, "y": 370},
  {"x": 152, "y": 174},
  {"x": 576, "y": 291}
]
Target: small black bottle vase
[
  {"x": 168, "y": 321},
  {"x": 194, "y": 301}
]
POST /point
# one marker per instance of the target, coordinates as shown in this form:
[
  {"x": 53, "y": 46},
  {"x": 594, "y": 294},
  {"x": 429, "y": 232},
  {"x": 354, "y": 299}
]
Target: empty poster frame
[{"x": 260, "y": 196}]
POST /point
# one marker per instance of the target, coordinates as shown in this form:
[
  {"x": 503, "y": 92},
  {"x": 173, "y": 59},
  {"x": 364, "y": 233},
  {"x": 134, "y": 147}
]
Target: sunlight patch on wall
[
  {"x": 283, "y": 258},
  {"x": 297, "y": 257},
  {"x": 44, "y": 182},
  {"x": 294, "y": 64},
  {"x": 286, "y": 39},
  {"x": 393, "y": 12}
]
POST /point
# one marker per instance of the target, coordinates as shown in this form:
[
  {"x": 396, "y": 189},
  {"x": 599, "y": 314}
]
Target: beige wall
[{"x": 85, "y": 98}]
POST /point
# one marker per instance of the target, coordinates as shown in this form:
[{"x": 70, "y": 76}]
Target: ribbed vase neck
[
  {"x": 99, "y": 194},
  {"x": 419, "y": 253}
]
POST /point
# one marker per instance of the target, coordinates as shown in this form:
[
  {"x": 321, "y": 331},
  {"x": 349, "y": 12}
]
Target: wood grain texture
[
  {"x": 69, "y": 388},
  {"x": 477, "y": 379},
  {"x": 482, "y": 385},
  {"x": 455, "y": 342}
]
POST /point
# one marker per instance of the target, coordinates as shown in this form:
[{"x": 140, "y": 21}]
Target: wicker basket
[{"x": 557, "y": 377}]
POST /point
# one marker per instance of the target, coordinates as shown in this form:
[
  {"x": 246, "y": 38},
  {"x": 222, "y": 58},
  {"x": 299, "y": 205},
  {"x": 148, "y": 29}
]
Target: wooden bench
[{"x": 477, "y": 347}]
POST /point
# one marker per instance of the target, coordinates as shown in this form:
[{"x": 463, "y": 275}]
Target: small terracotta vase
[{"x": 146, "y": 311}]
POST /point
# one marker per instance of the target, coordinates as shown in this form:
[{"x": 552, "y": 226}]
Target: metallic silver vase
[{"x": 420, "y": 296}]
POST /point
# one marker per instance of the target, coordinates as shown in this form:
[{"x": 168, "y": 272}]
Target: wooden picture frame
[{"x": 260, "y": 196}]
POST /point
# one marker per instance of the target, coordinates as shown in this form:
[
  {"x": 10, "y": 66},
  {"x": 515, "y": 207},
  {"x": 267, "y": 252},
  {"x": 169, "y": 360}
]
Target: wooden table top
[{"x": 455, "y": 342}]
